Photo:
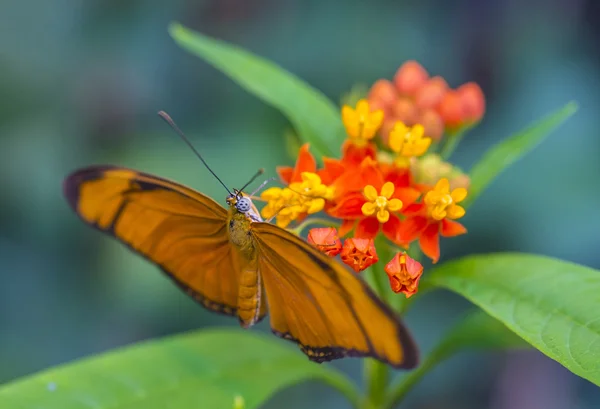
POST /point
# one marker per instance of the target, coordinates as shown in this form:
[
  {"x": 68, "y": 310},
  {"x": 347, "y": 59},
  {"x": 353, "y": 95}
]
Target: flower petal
[
  {"x": 332, "y": 169},
  {"x": 455, "y": 212},
  {"x": 396, "y": 138},
  {"x": 383, "y": 215},
  {"x": 348, "y": 207},
  {"x": 367, "y": 228},
  {"x": 430, "y": 242},
  {"x": 394, "y": 205},
  {"x": 305, "y": 163},
  {"x": 411, "y": 228},
  {"x": 442, "y": 186},
  {"x": 459, "y": 194},
  {"x": 346, "y": 227},
  {"x": 285, "y": 173},
  {"x": 368, "y": 208},
  {"x": 387, "y": 190},
  {"x": 451, "y": 228},
  {"x": 390, "y": 229},
  {"x": 370, "y": 193}
]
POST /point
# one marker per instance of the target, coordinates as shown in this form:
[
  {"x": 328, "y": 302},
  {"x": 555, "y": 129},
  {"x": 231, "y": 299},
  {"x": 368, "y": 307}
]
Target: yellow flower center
[
  {"x": 299, "y": 198},
  {"x": 380, "y": 204},
  {"x": 361, "y": 123},
  {"x": 442, "y": 203},
  {"x": 407, "y": 142}
]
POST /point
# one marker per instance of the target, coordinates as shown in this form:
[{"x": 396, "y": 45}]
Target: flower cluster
[
  {"x": 414, "y": 97},
  {"x": 392, "y": 192}
]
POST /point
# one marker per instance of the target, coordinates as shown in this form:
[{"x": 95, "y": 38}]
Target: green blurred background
[{"x": 81, "y": 82}]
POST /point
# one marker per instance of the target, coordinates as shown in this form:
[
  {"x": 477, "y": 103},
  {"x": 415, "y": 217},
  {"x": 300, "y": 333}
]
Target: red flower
[
  {"x": 359, "y": 253},
  {"x": 404, "y": 274},
  {"x": 305, "y": 163},
  {"x": 326, "y": 240},
  {"x": 350, "y": 198}
]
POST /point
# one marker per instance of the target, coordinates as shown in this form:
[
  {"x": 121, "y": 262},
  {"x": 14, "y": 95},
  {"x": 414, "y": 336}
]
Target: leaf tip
[
  {"x": 175, "y": 29},
  {"x": 572, "y": 107}
]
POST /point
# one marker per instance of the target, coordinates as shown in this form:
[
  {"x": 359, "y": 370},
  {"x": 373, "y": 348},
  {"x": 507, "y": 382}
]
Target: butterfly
[{"x": 232, "y": 262}]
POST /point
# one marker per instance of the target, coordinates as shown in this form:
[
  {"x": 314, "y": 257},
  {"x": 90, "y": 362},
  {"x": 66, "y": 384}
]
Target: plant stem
[
  {"x": 348, "y": 389},
  {"x": 399, "y": 391},
  {"x": 452, "y": 141},
  {"x": 377, "y": 377},
  {"x": 377, "y": 373}
]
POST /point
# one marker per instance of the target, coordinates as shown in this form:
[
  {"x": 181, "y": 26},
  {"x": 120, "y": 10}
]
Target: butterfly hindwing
[
  {"x": 179, "y": 229},
  {"x": 329, "y": 311}
]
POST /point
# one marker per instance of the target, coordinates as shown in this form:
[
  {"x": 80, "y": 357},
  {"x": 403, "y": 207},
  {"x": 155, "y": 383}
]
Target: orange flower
[
  {"x": 451, "y": 109},
  {"x": 473, "y": 101},
  {"x": 326, "y": 240},
  {"x": 359, "y": 253},
  {"x": 404, "y": 274},
  {"x": 383, "y": 93},
  {"x": 431, "y": 93},
  {"x": 410, "y": 77},
  {"x": 433, "y": 217}
]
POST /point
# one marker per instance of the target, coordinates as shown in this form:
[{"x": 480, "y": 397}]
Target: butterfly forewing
[{"x": 179, "y": 229}]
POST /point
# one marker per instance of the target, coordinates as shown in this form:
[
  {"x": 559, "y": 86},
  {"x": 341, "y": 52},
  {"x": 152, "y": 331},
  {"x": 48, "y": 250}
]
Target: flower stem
[
  {"x": 377, "y": 377},
  {"x": 452, "y": 141},
  {"x": 377, "y": 373},
  {"x": 398, "y": 392}
]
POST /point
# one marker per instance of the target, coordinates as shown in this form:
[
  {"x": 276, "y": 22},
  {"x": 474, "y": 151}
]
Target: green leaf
[
  {"x": 552, "y": 304},
  {"x": 477, "y": 330},
  {"x": 204, "y": 369},
  {"x": 511, "y": 149},
  {"x": 316, "y": 119}
]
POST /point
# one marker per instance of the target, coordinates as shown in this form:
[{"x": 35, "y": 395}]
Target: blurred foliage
[{"x": 81, "y": 83}]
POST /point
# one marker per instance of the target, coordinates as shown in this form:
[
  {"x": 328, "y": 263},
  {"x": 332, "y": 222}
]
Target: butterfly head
[{"x": 243, "y": 204}]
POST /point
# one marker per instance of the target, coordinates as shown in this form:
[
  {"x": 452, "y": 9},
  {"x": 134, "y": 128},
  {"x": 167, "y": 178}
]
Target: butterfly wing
[
  {"x": 329, "y": 311},
  {"x": 177, "y": 228}
]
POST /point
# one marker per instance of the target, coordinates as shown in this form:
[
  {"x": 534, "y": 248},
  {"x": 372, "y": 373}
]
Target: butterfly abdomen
[{"x": 249, "y": 295}]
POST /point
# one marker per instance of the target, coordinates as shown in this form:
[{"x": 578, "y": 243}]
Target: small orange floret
[
  {"x": 404, "y": 274},
  {"x": 382, "y": 92},
  {"x": 431, "y": 93},
  {"x": 433, "y": 124},
  {"x": 410, "y": 77},
  {"x": 405, "y": 110},
  {"x": 473, "y": 101},
  {"x": 451, "y": 109},
  {"x": 326, "y": 240},
  {"x": 359, "y": 253}
]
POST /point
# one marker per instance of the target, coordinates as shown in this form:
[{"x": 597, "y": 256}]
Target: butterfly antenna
[
  {"x": 252, "y": 179},
  {"x": 179, "y": 132},
  {"x": 263, "y": 184}
]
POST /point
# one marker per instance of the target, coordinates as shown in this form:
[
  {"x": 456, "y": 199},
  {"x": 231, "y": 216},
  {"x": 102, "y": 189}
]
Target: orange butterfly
[{"x": 232, "y": 262}]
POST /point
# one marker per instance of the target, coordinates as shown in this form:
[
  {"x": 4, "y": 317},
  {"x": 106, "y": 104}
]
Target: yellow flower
[
  {"x": 361, "y": 123},
  {"x": 407, "y": 142},
  {"x": 298, "y": 199},
  {"x": 442, "y": 203},
  {"x": 380, "y": 203}
]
